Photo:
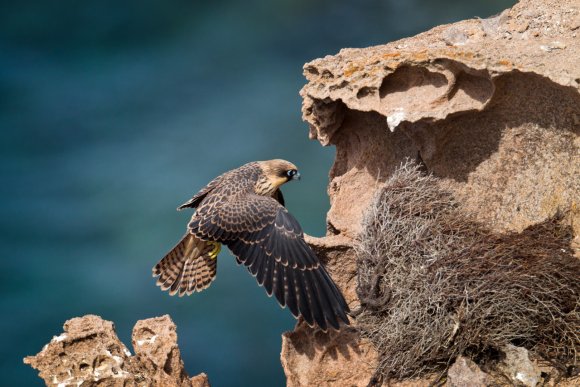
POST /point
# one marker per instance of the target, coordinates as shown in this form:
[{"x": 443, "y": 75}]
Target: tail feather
[{"x": 187, "y": 268}]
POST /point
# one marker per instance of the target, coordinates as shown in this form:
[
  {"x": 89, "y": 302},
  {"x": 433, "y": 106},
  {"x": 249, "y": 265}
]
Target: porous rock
[
  {"x": 465, "y": 373},
  {"x": 90, "y": 353},
  {"x": 518, "y": 367},
  {"x": 491, "y": 107}
]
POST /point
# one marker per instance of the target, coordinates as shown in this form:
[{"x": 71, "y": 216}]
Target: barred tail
[{"x": 187, "y": 268}]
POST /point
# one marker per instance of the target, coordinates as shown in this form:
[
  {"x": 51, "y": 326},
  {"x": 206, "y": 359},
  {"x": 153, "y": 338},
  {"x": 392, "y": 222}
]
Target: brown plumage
[
  {"x": 244, "y": 209},
  {"x": 187, "y": 268}
]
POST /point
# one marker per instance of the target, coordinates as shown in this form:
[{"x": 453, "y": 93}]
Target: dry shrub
[{"x": 434, "y": 283}]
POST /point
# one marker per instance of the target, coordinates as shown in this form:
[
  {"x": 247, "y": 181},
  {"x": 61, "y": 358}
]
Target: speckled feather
[
  {"x": 243, "y": 209},
  {"x": 187, "y": 268}
]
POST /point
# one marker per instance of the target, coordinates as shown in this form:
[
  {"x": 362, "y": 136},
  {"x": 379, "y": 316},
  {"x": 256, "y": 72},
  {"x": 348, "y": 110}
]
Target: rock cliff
[{"x": 490, "y": 107}]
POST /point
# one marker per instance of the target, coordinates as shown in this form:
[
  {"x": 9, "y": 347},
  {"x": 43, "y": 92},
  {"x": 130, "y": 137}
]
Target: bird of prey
[{"x": 244, "y": 210}]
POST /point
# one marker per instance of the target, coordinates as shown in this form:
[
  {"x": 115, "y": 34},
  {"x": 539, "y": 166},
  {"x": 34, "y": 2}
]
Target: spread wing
[{"x": 268, "y": 240}]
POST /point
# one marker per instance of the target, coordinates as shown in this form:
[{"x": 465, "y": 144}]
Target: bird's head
[{"x": 279, "y": 171}]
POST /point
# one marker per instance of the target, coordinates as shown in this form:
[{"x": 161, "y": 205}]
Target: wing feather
[
  {"x": 269, "y": 276},
  {"x": 196, "y": 200},
  {"x": 269, "y": 241},
  {"x": 303, "y": 295},
  {"x": 290, "y": 291},
  {"x": 315, "y": 302},
  {"x": 278, "y": 283}
]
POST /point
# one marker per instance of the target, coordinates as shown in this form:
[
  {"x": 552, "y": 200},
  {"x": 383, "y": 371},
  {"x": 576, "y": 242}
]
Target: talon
[{"x": 217, "y": 247}]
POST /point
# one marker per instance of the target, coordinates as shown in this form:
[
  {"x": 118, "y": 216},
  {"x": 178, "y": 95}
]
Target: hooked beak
[{"x": 296, "y": 176}]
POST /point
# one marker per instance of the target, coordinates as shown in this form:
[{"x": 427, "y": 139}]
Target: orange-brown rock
[
  {"x": 325, "y": 359},
  {"x": 491, "y": 107},
  {"x": 90, "y": 353}
]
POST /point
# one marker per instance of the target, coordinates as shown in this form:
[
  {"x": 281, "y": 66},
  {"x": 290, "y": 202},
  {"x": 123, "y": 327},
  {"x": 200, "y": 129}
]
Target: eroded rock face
[
  {"x": 491, "y": 107},
  {"x": 90, "y": 353},
  {"x": 324, "y": 359},
  {"x": 470, "y": 107}
]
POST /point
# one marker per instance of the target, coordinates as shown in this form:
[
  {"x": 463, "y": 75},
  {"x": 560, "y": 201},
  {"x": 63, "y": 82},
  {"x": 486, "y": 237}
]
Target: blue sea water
[{"x": 114, "y": 113}]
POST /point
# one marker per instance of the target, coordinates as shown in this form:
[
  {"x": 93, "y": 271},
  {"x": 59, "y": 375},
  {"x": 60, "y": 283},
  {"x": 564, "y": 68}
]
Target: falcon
[{"x": 244, "y": 210}]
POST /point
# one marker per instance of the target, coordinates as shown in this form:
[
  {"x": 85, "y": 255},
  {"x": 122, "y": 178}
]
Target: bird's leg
[{"x": 217, "y": 247}]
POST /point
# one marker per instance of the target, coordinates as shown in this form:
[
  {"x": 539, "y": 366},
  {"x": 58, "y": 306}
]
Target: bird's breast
[{"x": 267, "y": 187}]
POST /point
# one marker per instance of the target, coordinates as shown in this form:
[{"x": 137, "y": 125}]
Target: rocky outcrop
[
  {"x": 90, "y": 353},
  {"x": 490, "y": 107}
]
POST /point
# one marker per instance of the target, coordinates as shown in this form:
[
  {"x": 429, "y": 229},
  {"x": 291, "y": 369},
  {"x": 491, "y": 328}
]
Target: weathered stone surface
[
  {"x": 518, "y": 367},
  {"x": 465, "y": 373},
  {"x": 491, "y": 107},
  {"x": 90, "y": 353},
  {"x": 469, "y": 109},
  {"x": 200, "y": 380},
  {"x": 325, "y": 359}
]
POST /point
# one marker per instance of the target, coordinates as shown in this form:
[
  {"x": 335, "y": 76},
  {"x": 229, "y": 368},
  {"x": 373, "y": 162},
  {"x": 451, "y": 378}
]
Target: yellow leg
[{"x": 217, "y": 247}]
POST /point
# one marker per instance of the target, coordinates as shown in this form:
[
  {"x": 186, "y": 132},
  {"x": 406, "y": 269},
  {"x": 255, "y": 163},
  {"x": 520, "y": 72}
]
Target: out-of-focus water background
[{"x": 112, "y": 113}]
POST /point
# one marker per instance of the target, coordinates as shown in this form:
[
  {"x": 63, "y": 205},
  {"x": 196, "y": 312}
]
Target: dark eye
[{"x": 291, "y": 173}]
